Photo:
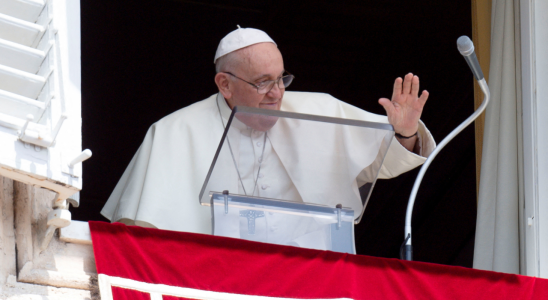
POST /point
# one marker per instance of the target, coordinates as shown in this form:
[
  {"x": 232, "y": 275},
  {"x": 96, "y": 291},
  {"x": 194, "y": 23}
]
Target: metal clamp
[
  {"x": 225, "y": 194},
  {"x": 339, "y": 216}
]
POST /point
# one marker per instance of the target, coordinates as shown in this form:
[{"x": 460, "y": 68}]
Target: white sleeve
[{"x": 399, "y": 160}]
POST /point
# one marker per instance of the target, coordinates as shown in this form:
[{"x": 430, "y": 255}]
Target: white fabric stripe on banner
[
  {"x": 157, "y": 290},
  {"x": 155, "y": 296},
  {"x": 105, "y": 287}
]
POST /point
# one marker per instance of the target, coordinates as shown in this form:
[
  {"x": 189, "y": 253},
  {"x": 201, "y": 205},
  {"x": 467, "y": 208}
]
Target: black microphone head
[{"x": 465, "y": 45}]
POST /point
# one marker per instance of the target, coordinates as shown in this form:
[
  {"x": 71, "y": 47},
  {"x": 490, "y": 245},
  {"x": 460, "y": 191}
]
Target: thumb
[{"x": 386, "y": 104}]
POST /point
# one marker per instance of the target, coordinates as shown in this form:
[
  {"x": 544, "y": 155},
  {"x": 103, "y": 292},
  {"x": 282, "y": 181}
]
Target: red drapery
[{"x": 226, "y": 265}]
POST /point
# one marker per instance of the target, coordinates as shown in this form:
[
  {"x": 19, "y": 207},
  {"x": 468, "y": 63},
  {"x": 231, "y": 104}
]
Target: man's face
[{"x": 259, "y": 62}]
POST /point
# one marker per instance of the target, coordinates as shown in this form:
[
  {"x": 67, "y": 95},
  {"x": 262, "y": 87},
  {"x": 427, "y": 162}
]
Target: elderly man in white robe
[{"x": 160, "y": 187}]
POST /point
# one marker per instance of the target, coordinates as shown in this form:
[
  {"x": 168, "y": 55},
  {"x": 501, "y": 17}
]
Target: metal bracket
[
  {"x": 40, "y": 139},
  {"x": 68, "y": 168},
  {"x": 339, "y": 216},
  {"x": 225, "y": 194},
  {"x": 59, "y": 217}
]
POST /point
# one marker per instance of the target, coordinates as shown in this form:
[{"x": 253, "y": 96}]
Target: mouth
[{"x": 269, "y": 104}]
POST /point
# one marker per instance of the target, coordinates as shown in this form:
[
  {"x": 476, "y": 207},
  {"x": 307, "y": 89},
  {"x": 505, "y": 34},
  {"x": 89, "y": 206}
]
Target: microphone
[{"x": 466, "y": 48}]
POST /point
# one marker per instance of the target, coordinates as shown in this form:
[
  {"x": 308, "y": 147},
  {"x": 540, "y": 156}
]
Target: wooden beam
[{"x": 481, "y": 35}]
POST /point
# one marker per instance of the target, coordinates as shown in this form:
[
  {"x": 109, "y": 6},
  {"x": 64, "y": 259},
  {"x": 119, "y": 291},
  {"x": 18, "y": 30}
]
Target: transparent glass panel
[
  {"x": 298, "y": 158},
  {"x": 283, "y": 223}
]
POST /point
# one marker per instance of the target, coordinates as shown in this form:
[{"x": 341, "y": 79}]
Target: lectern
[{"x": 293, "y": 179}]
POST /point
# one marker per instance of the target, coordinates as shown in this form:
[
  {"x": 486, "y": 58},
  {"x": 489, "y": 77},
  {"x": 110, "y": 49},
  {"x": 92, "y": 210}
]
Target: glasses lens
[
  {"x": 287, "y": 80},
  {"x": 266, "y": 87},
  {"x": 282, "y": 84}
]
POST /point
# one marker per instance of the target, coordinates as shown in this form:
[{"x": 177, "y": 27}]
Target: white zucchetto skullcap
[{"x": 241, "y": 38}]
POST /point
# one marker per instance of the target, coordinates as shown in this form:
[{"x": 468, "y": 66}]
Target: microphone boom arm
[{"x": 485, "y": 89}]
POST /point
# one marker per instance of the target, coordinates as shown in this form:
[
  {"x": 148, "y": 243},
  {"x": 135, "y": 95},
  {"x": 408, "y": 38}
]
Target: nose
[{"x": 276, "y": 91}]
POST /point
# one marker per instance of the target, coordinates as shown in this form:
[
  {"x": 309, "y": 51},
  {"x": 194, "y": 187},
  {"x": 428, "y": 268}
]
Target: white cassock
[{"x": 161, "y": 185}]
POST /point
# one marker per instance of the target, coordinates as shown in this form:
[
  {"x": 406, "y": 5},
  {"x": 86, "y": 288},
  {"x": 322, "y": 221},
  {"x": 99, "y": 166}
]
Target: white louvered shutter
[{"x": 40, "y": 123}]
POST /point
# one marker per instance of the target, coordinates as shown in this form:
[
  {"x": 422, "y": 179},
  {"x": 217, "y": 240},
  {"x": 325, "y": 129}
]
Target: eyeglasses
[{"x": 266, "y": 86}]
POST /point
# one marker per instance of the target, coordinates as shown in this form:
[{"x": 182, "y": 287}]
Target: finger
[
  {"x": 415, "y": 86},
  {"x": 397, "y": 87},
  {"x": 407, "y": 83},
  {"x": 424, "y": 97},
  {"x": 387, "y": 105}
]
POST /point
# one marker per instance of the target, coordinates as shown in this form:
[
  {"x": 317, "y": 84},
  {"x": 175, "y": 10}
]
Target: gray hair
[
  {"x": 229, "y": 61},
  {"x": 222, "y": 63}
]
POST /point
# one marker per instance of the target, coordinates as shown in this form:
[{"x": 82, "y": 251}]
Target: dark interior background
[{"x": 144, "y": 59}]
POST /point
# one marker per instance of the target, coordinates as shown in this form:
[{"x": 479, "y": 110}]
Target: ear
[{"x": 223, "y": 83}]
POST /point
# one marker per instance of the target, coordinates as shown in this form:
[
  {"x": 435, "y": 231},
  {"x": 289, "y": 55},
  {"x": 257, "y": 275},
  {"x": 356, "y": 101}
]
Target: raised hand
[{"x": 405, "y": 109}]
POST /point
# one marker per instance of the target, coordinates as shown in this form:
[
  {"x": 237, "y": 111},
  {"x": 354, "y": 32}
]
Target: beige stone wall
[{"x": 62, "y": 271}]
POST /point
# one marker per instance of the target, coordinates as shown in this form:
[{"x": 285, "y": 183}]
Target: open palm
[{"x": 405, "y": 109}]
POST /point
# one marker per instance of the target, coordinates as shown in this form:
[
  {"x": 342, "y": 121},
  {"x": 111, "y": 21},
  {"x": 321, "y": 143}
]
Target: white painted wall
[
  {"x": 541, "y": 64},
  {"x": 534, "y": 50}
]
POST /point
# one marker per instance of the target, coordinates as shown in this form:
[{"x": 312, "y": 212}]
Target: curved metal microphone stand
[{"x": 445, "y": 141}]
